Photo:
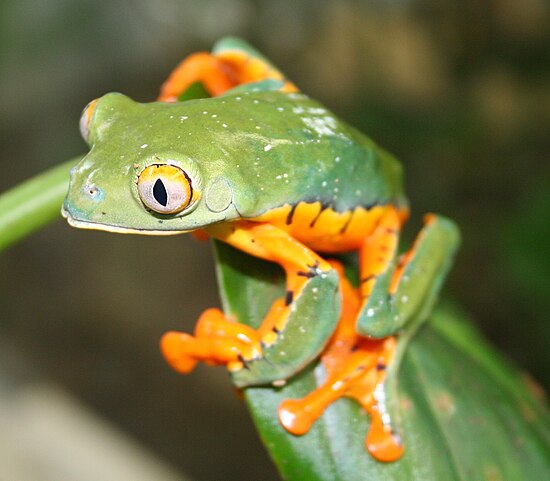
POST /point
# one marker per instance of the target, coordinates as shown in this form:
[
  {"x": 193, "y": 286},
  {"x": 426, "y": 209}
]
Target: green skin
[{"x": 247, "y": 152}]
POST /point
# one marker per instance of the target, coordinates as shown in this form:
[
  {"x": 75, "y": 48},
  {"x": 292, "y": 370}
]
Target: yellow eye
[
  {"x": 165, "y": 189},
  {"x": 85, "y": 119}
]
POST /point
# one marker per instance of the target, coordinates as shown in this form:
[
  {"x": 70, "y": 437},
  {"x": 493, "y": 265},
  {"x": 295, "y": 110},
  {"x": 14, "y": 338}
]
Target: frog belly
[{"x": 325, "y": 230}]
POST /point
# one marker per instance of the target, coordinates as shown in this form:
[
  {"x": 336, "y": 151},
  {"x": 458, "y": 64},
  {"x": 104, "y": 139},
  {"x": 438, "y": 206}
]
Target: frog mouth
[{"x": 81, "y": 224}]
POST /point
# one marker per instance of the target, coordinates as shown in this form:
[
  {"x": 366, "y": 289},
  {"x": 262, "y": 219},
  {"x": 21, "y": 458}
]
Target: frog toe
[{"x": 172, "y": 345}]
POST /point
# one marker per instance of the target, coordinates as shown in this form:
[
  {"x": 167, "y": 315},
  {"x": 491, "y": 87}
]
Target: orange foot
[
  {"x": 356, "y": 368},
  {"x": 217, "y": 341}
]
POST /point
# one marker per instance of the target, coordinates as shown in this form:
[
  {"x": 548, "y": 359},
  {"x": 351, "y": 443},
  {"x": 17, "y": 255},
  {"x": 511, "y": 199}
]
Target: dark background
[{"x": 458, "y": 90}]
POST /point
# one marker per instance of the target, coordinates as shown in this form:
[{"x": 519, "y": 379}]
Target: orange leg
[
  {"x": 378, "y": 251},
  {"x": 218, "y": 73},
  {"x": 218, "y": 340},
  {"x": 199, "y": 67},
  {"x": 273, "y": 244},
  {"x": 356, "y": 369}
]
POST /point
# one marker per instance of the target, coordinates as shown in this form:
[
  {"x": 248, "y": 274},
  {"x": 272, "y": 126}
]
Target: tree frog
[{"x": 264, "y": 168}]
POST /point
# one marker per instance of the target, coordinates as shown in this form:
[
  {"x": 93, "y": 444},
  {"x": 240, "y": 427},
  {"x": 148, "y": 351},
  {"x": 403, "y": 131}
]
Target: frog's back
[{"x": 309, "y": 172}]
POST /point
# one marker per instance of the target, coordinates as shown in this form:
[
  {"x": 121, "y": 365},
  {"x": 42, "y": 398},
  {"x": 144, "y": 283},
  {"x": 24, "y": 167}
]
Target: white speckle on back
[
  {"x": 317, "y": 110},
  {"x": 144, "y": 146},
  {"x": 321, "y": 125},
  {"x": 268, "y": 147}
]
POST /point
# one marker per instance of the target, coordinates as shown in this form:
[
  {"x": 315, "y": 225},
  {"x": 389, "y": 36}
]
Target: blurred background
[{"x": 458, "y": 90}]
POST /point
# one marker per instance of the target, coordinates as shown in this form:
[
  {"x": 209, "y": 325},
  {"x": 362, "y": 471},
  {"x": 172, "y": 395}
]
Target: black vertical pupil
[{"x": 159, "y": 193}]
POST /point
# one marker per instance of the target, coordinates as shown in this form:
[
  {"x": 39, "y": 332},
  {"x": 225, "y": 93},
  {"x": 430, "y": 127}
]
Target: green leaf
[{"x": 466, "y": 413}]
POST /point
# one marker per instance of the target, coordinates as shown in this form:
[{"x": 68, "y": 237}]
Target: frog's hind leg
[
  {"x": 230, "y": 64},
  {"x": 200, "y": 67},
  {"x": 398, "y": 289},
  {"x": 355, "y": 368}
]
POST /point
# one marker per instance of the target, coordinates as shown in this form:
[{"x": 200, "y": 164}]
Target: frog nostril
[{"x": 93, "y": 191}]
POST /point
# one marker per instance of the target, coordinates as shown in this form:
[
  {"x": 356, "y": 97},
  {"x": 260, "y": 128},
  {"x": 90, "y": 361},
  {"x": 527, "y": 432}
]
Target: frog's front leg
[
  {"x": 217, "y": 341},
  {"x": 397, "y": 289},
  {"x": 294, "y": 331}
]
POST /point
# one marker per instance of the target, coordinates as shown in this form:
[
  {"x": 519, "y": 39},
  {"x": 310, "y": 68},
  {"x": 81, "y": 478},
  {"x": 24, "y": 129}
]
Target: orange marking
[
  {"x": 355, "y": 369},
  {"x": 323, "y": 229},
  {"x": 90, "y": 111},
  {"x": 200, "y": 235}
]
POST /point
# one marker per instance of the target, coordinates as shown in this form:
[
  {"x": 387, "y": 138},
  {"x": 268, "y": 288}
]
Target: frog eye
[
  {"x": 85, "y": 119},
  {"x": 164, "y": 188}
]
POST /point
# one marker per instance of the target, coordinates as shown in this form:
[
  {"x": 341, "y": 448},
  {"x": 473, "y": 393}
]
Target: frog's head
[{"x": 141, "y": 176}]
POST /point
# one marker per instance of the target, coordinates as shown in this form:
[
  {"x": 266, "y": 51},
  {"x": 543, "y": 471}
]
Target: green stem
[{"x": 33, "y": 204}]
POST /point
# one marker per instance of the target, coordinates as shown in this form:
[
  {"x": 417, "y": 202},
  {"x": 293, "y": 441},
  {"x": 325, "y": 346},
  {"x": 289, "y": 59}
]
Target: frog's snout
[{"x": 81, "y": 201}]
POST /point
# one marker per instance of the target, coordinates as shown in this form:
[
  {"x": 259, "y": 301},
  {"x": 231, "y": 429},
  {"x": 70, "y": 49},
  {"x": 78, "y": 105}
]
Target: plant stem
[{"x": 33, "y": 204}]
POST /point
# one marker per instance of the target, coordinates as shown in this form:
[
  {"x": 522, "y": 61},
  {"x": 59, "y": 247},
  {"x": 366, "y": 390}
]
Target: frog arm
[
  {"x": 395, "y": 290},
  {"x": 231, "y": 63},
  {"x": 294, "y": 331}
]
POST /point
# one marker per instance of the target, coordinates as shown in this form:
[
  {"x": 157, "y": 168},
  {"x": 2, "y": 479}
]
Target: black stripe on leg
[
  {"x": 324, "y": 206},
  {"x": 289, "y": 297},
  {"x": 244, "y": 362},
  {"x": 347, "y": 223},
  {"x": 291, "y": 214},
  {"x": 368, "y": 278}
]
